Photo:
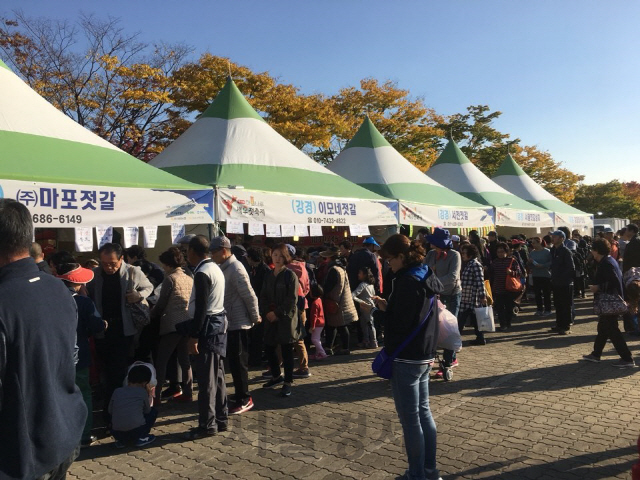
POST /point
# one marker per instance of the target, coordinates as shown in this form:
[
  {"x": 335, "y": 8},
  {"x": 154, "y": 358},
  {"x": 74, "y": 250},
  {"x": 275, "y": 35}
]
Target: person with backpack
[
  {"x": 401, "y": 314},
  {"x": 298, "y": 266}
]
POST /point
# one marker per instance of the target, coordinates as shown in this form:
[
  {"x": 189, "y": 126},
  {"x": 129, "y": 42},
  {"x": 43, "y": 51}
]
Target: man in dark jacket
[
  {"x": 492, "y": 244},
  {"x": 563, "y": 274},
  {"x": 632, "y": 251},
  {"x": 364, "y": 258},
  {"x": 257, "y": 271},
  {"x": 42, "y": 413},
  {"x": 136, "y": 255}
]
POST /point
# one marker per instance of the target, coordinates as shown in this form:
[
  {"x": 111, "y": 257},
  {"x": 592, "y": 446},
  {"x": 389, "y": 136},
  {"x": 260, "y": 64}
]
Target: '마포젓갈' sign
[{"x": 65, "y": 205}]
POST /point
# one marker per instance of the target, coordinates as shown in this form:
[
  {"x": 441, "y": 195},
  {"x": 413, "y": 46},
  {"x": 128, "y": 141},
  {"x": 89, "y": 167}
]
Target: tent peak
[
  {"x": 230, "y": 103},
  {"x": 368, "y": 136},
  {"x": 509, "y": 167},
  {"x": 452, "y": 154}
]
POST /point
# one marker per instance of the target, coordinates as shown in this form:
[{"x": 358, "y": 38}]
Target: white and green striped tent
[
  {"x": 261, "y": 177},
  {"x": 513, "y": 178},
  {"x": 453, "y": 170},
  {"x": 69, "y": 177},
  {"x": 370, "y": 161}
]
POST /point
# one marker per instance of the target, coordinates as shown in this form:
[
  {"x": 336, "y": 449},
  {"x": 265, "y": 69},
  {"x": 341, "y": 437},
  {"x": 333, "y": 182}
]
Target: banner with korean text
[
  {"x": 510, "y": 217},
  {"x": 582, "y": 223},
  {"x": 56, "y": 205},
  {"x": 447, "y": 217},
  {"x": 264, "y": 207}
]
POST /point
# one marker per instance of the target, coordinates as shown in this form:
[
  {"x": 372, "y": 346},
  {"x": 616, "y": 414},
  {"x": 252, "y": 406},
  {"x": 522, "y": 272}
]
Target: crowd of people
[{"x": 146, "y": 332}]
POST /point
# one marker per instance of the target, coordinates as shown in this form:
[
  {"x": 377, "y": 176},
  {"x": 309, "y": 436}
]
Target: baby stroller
[{"x": 447, "y": 372}]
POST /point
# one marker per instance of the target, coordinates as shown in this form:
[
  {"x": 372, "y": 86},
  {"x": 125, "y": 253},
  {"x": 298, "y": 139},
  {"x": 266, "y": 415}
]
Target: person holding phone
[{"x": 410, "y": 372}]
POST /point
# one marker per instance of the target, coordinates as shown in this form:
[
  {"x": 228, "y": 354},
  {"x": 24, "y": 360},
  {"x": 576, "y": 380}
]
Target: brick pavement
[{"x": 521, "y": 407}]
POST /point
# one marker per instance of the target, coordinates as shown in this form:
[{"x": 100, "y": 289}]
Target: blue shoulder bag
[{"x": 383, "y": 363}]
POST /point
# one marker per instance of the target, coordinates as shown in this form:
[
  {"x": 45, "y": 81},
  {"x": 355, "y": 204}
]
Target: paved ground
[{"x": 521, "y": 407}]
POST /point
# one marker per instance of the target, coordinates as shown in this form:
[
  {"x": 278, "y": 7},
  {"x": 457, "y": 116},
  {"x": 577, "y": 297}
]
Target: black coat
[
  {"x": 631, "y": 254},
  {"x": 360, "y": 259},
  {"x": 403, "y": 315},
  {"x": 280, "y": 295}
]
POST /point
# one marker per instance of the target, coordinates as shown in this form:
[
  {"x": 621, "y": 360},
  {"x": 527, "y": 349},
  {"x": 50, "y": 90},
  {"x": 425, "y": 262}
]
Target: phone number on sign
[
  {"x": 327, "y": 221},
  {"x": 48, "y": 218}
]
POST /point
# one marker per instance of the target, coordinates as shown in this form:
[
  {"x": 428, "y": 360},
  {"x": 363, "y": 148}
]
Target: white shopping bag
[
  {"x": 484, "y": 317},
  {"x": 448, "y": 332}
]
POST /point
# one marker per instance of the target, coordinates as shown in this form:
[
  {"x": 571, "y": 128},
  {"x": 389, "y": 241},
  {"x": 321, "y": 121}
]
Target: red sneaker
[
  {"x": 242, "y": 407},
  {"x": 183, "y": 398}
]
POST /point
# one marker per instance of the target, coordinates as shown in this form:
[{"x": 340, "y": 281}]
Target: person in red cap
[{"x": 90, "y": 323}]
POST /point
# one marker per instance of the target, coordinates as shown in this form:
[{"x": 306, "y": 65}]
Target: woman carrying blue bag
[{"x": 408, "y": 306}]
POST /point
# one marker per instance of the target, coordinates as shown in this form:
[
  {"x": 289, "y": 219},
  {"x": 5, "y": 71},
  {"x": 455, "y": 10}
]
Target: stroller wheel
[{"x": 448, "y": 374}]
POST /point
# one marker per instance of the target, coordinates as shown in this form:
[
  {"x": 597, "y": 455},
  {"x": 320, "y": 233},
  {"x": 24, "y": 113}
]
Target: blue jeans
[
  {"x": 141, "y": 431},
  {"x": 410, "y": 386},
  {"x": 452, "y": 302}
]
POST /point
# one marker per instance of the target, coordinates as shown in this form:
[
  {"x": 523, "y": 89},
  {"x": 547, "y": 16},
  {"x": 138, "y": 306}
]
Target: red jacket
[{"x": 316, "y": 313}]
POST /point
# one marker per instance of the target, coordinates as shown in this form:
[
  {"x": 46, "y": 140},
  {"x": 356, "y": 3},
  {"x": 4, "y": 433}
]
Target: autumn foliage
[{"x": 141, "y": 97}]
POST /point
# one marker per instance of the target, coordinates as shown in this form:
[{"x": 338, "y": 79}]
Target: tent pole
[{"x": 216, "y": 210}]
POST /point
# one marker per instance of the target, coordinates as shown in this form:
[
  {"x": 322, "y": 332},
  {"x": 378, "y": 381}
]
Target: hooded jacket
[{"x": 403, "y": 315}]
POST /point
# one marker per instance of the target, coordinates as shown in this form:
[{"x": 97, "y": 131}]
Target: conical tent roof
[
  {"x": 513, "y": 178},
  {"x": 42, "y": 147},
  {"x": 455, "y": 171},
  {"x": 230, "y": 145},
  {"x": 41, "y": 143},
  {"x": 370, "y": 161}
]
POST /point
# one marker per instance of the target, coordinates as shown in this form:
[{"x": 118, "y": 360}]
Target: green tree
[
  {"x": 474, "y": 133},
  {"x": 302, "y": 119},
  {"x": 487, "y": 147},
  {"x": 541, "y": 167},
  {"x": 609, "y": 198}
]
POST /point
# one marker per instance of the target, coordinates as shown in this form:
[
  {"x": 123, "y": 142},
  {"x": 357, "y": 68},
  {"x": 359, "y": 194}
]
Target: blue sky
[{"x": 564, "y": 73}]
